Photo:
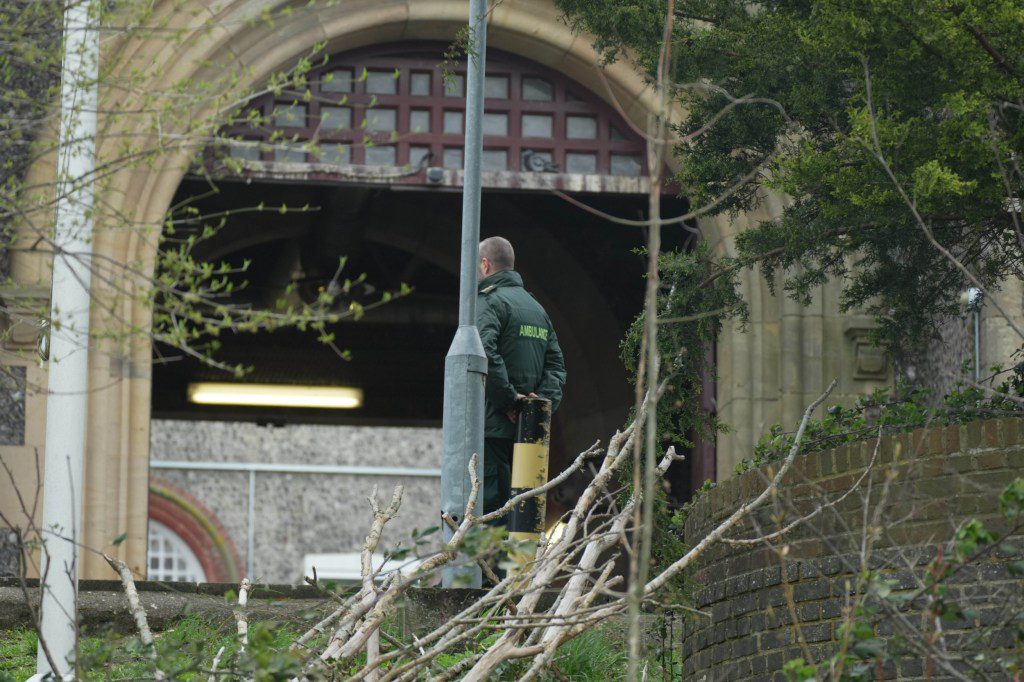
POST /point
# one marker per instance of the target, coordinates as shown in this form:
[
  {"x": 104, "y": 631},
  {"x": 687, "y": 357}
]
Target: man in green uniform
[{"x": 523, "y": 359}]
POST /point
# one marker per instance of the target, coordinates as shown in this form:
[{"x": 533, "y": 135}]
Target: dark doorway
[{"x": 587, "y": 272}]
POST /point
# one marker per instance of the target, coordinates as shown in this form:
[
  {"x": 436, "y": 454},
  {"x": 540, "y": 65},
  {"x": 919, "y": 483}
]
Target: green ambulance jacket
[{"x": 523, "y": 355}]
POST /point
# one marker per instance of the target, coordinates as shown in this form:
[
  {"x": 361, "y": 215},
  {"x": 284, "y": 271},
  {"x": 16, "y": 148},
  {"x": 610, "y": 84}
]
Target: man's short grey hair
[{"x": 499, "y": 251}]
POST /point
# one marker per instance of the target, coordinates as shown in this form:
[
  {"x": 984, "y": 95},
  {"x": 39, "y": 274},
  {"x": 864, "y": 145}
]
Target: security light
[
  {"x": 974, "y": 297},
  {"x": 275, "y": 395},
  {"x": 435, "y": 175}
]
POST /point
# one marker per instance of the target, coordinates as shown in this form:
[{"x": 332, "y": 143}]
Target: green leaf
[
  {"x": 1011, "y": 501},
  {"x": 869, "y": 648}
]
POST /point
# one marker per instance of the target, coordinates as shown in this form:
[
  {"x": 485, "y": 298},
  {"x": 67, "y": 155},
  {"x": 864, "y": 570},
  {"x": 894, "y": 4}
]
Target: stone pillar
[
  {"x": 999, "y": 340},
  {"x": 787, "y": 354}
]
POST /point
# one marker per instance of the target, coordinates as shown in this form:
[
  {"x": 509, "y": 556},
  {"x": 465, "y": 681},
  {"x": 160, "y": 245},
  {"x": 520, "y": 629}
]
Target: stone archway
[
  {"x": 116, "y": 485},
  {"x": 788, "y": 353}
]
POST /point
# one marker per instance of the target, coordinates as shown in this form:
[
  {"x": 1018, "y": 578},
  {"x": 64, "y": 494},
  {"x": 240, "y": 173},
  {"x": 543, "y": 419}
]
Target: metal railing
[{"x": 253, "y": 468}]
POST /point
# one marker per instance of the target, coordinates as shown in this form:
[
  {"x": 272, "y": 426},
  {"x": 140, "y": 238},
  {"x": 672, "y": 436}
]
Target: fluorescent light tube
[{"x": 275, "y": 395}]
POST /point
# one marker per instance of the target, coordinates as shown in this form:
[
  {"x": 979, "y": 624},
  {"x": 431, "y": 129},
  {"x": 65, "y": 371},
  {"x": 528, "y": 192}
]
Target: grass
[
  {"x": 599, "y": 655},
  {"x": 184, "y": 650},
  {"x": 17, "y": 654},
  {"x": 187, "y": 650},
  {"x": 596, "y": 655},
  {"x": 592, "y": 655}
]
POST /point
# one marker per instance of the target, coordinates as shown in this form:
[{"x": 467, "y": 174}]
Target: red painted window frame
[
  {"x": 425, "y": 57},
  {"x": 198, "y": 527}
]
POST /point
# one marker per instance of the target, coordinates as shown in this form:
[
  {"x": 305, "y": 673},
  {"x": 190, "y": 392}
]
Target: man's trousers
[{"x": 497, "y": 474}]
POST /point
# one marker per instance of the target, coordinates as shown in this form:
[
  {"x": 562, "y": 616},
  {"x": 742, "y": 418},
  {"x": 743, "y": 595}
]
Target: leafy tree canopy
[{"x": 883, "y": 120}]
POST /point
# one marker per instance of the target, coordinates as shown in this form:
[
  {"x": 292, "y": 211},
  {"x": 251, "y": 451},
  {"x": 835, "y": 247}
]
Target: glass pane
[
  {"x": 625, "y": 164},
  {"x": 419, "y": 121},
  {"x": 616, "y": 134},
  {"x": 536, "y": 125},
  {"x": 337, "y": 81},
  {"x": 496, "y": 87},
  {"x": 382, "y": 83},
  {"x": 420, "y": 84},
  {"x": 290, "y": 154},
  {"x": 417, "y": 154},
  {"x": 581, "y": 127},
  {"x": 576, "y": 162},
  {"x": 454, "y": 85},
  {"x": 335, "y": 118},
  {"x": 453, "y": 122},
  {"x": 496, "y": 124},
  {"x": 336, "y": 154},
  {"x": 244, "y": 149},
  {"x": 494, "y": 159},
  {"x": 385, "y": 120},
  {"x": 170, "y": 557},
  {"x": 537, "y": 90},
  {"x": 380, "y": 156},
  {"x": 536, "y": 161},
  {"x": 570, "y": 96},
  {"x": 290, "y": 115},
  {"x": 452, "y": 158}
]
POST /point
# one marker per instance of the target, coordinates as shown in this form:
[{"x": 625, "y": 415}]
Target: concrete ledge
[{"x": 102, "y": 602}]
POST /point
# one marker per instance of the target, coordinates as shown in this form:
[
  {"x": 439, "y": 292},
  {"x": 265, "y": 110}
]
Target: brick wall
[{"x": 936, "y": 478}]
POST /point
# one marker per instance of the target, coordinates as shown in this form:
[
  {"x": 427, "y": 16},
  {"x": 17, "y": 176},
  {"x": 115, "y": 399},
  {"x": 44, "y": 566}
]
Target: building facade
[{"x": 377, "y": 149}]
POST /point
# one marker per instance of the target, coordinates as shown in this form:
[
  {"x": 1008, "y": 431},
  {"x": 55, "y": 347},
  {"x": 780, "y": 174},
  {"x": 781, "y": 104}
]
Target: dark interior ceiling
[{"x": 394, "y": 237}]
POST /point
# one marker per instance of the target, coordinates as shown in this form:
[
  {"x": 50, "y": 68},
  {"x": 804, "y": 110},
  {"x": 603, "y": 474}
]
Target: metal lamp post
[{"x": 465, "y": 366}]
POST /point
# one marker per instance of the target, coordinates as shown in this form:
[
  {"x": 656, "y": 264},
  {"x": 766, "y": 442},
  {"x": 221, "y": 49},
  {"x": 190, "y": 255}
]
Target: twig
[
  {"x": 660, "y": 580},
  {"x": 771, "y": 537},
  {"x": 875, "y": 148},
  {"x": 576, "y": 465},
  {"x": 484, "y": 566},
  {"x": 216, "y": 662},
  {"x": 241, "y": 615},
  {"x": 137, "y": 611}
]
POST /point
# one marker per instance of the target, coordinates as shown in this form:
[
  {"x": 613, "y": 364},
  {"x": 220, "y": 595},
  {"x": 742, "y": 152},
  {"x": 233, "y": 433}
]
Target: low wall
[
  {"x": 936, "y": 478},
  {"x": 102, "y": 604}
]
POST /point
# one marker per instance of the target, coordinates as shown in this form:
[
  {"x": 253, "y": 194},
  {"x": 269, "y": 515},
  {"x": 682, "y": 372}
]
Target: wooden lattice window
[{"x": 392, "y": 107}]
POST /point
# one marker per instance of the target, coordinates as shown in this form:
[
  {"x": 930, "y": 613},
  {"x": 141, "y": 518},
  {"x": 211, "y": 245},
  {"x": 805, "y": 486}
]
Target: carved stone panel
[{"x": 869, "y": 363}]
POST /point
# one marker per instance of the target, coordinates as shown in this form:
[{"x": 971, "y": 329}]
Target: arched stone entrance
[
  {"x": 761, "y": 378},
  {"x": 395, "y": 218},
  {"x": 116, "y": 486}
]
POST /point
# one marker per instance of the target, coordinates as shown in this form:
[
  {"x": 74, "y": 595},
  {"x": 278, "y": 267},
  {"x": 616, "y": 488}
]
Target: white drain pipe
[{"x": 67, "y": 380}]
